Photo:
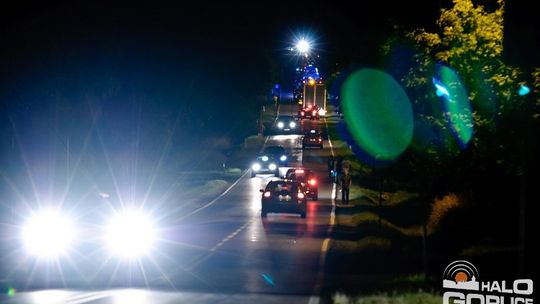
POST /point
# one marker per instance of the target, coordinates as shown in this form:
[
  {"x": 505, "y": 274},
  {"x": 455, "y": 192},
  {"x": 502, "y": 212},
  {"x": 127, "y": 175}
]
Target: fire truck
[{"x": 311, "y": 94}]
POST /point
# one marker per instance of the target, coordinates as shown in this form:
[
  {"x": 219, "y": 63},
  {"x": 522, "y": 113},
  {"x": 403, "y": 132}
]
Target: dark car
[
  {"x": 313, "y": 138},
  {"x": 286, "y": 124},
  {"x": 279, "y": 153},
  {"x": 308, "y": 180},
  {"x": 265, "y": 164},
  {"x": 284, "y": 196}
]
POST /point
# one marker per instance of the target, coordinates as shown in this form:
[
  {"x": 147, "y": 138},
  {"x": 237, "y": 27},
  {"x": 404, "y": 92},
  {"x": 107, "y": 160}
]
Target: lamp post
[{"x": 303, "y": 46}]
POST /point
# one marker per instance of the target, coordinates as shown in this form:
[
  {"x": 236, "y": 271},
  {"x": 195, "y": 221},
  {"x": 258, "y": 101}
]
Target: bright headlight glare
[
  {"x": 130, "y": 234},
  {"x": 256, "y": 167},
  {"x": 48, "y": 234},
  {"x": 292, "y": 124},
  {"x": 283, "y": 158},
  {"x": 280, "y": 125},
  {"x": 272, "y": 167}
]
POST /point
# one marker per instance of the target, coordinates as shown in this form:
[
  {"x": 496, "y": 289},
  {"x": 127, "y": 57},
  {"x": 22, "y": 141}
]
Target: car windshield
[
  {"x": 281, "y": 188},
  {"x": 286, "y": 118},
  {"x": 274, "y": 150},
  {"x": 142, "y": 147},
  {"x": 297, "y": 174}
]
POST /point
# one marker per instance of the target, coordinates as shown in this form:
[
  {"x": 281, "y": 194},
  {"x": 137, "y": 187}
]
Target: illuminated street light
[{"x": 303, "y": 46}]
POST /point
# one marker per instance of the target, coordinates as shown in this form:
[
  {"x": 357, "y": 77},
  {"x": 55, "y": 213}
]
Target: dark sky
[
  {"x": 223, "y": 34},
  {"x": 194, "y": 61}
]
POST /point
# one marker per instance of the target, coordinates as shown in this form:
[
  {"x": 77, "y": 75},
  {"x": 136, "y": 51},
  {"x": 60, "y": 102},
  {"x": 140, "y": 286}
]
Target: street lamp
[{"x": 303, "y": 46}]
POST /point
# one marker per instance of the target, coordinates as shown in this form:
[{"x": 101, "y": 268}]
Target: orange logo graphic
[{"x": 461, "y": 275}]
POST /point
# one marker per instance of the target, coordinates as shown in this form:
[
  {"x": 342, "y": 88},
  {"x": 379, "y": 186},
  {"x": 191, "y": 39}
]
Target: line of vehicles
[
  {"x": 299, "y": 184},
  {"x": 288, "y": 124},
  {"x": 290, "y": 193}
]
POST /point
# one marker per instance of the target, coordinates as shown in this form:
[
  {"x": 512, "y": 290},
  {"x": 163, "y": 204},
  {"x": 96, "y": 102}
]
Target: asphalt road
[{"x": 223, "y": 250}]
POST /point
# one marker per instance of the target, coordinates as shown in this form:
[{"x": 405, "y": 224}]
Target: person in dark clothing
[{"x": 345, "y": 182}]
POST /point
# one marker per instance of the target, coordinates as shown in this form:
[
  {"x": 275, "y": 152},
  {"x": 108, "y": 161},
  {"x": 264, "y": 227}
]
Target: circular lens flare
[
  {"x": 456, "y": 104},
  {"x": 378, "y": 114}
]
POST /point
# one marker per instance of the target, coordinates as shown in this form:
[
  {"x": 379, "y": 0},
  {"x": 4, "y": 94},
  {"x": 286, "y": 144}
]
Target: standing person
[
  {"x": 345, "y": 166},
  {"x": 345, "y": 181}
]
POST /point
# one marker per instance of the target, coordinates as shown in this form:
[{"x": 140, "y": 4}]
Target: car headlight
[
  {"x": 292, "y": 124},
  {"x": 280, "y": 125},
  {"x": 48, "y": 234},
  {"x": 283, "y": 158},
  {"x": 256, "y": 167},
  {"x": 130, "y": 234},
  {"x": 272, "y": 167},
  {"x": 322, "y": 112}
]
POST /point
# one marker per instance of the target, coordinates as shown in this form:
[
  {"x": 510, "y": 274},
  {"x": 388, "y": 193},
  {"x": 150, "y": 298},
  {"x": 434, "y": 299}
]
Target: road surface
[{"x": 224, "y": 249}]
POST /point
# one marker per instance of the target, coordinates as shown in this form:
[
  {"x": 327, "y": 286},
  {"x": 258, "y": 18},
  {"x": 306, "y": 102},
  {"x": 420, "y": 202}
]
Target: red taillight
[
  {"x": 314, "y": 112},
  {"x": 302, "y": 113},
  {"x": 299, "y": 171},
  {"x": 301, "y": 195},
  {"x": 312, "y": 182},
  {"x": 320, "y": 139},
  {"x": 267, "y": 194}
]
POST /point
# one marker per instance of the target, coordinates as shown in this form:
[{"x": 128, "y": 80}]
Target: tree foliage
[{"x": 469, "y": 40}]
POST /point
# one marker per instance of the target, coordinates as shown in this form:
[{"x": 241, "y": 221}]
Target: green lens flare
[
  {"x": 378, "y": 113},
  {"x": 457, "y": 106}
]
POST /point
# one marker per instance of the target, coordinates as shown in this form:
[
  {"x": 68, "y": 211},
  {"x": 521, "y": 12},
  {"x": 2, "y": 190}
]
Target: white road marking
[
  {"x": 237, "y": 231},
  {"x": 215, "y": 199},
  {"x": 232, "y": 235},
  {"x": 314, "y": 299}
]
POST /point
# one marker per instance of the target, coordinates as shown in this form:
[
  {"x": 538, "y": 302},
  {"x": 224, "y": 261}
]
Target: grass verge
[{"x": 386, "y": 298}]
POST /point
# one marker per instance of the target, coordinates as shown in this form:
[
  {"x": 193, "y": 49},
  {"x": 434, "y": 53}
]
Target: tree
[{"x": 469, "y": 40}]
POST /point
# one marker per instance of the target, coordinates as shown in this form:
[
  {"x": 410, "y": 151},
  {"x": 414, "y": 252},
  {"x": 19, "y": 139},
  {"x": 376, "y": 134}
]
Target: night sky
[{"x": 193, "y": 68}]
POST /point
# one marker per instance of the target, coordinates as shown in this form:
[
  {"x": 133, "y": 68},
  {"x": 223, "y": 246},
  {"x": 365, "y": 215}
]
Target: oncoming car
[
  {"x": 286, "y": 124},
  {"x": 283, "y": 196},
  {"x": 279, "y": 153},
  {"x": 265, "y": 164},
  {"x": 313, "y": 138},
  {"x": 308, "y": 180}
]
